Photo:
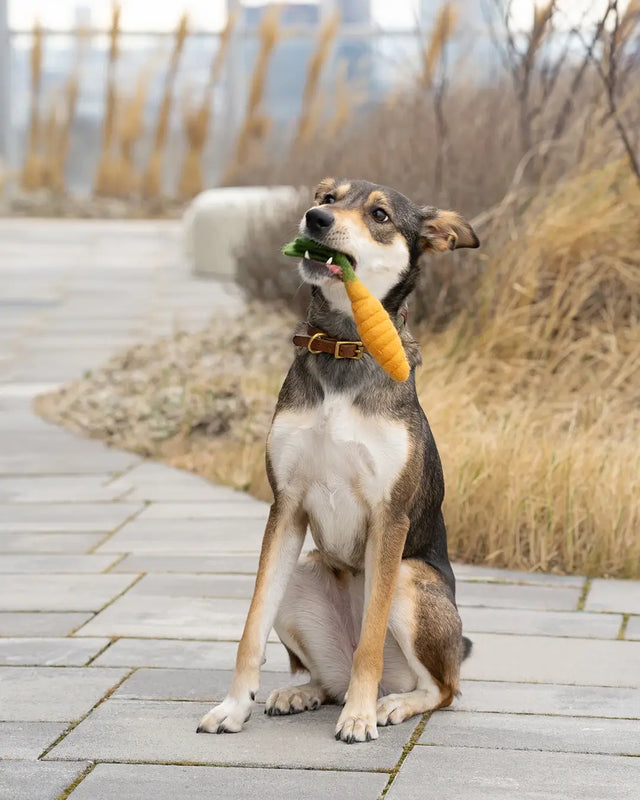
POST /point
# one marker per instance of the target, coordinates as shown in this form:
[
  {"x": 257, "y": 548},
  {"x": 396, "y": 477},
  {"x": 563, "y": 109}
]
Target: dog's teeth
[
  {"x": 330, "y": 260},
  {"x": 306, "y": 255}
]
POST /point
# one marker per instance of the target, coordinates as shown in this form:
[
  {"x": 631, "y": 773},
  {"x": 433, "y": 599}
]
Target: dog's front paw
[
  {"x": 355, "y": 727},
  {"x": 228, "y": 717}
]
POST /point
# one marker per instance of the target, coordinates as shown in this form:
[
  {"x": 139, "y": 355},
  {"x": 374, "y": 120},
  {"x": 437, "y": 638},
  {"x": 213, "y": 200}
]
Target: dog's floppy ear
[{"x": 445, "y": 230}]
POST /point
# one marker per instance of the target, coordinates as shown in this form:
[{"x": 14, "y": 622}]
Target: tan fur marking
[
  {"x": 325, "y": 186},
  {"x": 342, "y": 191},
  {"x": 377, "y": 198}
]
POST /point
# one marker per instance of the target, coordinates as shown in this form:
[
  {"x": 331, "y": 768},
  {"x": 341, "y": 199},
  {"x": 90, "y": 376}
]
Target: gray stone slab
[
  {"x": 49, "y": 652},
  {"x": 180, "y": 585},
  {"x": 540, "y": 623},
  {"x": 221, "y": 563},
  {"x": 51, "y": 564},
  {"x": 534, "y": 732},
  {"x": 219, "y": 509},
  {"x": 166, "y": 782},
  {"x": 458, "y": 773},
  {"x": 19, "y": 779},
  {"x": 473, "y": 572},
  {"x": 164, "y": 732},
  {"x": 205, "y": 685},
  {"x": 60, "y": 592},
  {"x": 49, "y": 542},
  {"x": 633, "y": 628},
  {"x": 545, "y": 698},
  {"x": 174, "y": 653},
  {"x": 53, "y": 694},
  {"x": 43, "y": 454},
  {"x": 612, "y": 595},
  {"x": 59, "y": 489},
  {"x": 540, "y": 659},
  {"x": 497, "y": 595},
  {"x": 27, "y": 739},
  {"x": 26, "y": 623},
  {"x": 154, "y": 616},
  {"x": 206, "y": 537},
  {"x": 64, "y": 517}
]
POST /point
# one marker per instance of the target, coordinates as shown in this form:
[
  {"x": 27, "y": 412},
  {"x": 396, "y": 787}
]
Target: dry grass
[
  {"x": 33, "y": 168},
  {"x": 152, "y": 180},
  {"x": 106, "y": 180},
  {"x": 197, "y": 120},
  {"x": 256, "y": 123}
]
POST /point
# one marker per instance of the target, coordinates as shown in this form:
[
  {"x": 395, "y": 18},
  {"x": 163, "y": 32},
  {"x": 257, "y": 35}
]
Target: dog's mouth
[{"x": 319, "y": 259}]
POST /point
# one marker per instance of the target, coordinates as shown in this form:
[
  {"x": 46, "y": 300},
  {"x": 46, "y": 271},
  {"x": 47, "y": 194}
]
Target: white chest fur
[{"x": 339, "y": 465}]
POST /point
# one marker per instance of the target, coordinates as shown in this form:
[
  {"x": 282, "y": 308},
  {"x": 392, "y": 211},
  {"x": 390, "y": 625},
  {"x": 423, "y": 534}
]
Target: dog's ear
[
  {"x": 323, "y": 188},
  {"x": 445, "y": 230}
]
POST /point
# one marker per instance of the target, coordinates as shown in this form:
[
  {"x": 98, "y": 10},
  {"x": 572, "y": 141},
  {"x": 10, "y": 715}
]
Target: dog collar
[{"x": 317, "y": 341}]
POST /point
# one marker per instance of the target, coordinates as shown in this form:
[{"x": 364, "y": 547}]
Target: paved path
[{"x": 124, "y": 586}]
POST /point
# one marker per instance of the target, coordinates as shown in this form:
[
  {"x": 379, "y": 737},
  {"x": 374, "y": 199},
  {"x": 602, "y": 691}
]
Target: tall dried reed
[
  {"x": 152, "y": 180},
  {"x": 196, "y": 120},
  {"x": 442, "y": 31},
  {"x": 33, "y": 167},
  {"x": 61, "y": 122},
  {"x": 106, "y": 180},
  {"x": 310, "y": 112},
  {"x": 256, "y": 122},
  {"x": 130, "y": 129}
]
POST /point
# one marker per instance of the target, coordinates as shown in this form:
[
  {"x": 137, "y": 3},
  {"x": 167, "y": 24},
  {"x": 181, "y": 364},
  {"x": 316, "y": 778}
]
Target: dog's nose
[{"x": 318, "y": 220}]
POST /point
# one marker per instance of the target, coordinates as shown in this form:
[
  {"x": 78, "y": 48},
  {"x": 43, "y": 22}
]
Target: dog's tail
[{"x": 467, "y": 647}]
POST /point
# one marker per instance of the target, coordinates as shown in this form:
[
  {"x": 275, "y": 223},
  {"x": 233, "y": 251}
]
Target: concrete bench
[{"x": 218, "y": 220}]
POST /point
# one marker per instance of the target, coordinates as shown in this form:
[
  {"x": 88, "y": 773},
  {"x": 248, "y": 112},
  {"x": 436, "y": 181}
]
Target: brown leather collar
[{"x": 317, "y": 341}]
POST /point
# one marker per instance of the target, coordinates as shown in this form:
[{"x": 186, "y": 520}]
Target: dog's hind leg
[
  {"x": 425, "y": 624},
  {"x": 317, "y": 626}
]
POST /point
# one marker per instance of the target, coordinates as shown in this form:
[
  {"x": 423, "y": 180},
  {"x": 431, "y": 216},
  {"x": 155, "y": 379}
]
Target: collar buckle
[{"x": 359, "y": 352}]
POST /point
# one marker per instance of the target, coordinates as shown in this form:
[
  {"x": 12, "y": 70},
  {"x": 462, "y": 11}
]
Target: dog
[{"x": 370, "y": 614}]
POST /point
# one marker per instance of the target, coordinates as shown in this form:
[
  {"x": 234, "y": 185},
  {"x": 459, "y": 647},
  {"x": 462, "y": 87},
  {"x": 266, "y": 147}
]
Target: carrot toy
[{"x": 377, "y": 331}]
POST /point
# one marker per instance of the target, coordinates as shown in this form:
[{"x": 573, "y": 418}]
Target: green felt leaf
[{"x": 318, "y": 252}]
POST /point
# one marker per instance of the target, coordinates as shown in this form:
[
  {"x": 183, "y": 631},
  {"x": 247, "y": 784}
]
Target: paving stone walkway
[{"x": 124, "y": 585}]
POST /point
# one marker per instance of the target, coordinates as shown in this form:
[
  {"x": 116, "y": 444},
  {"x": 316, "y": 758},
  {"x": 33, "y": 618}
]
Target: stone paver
[
  {"x": 123, "y": 781},
  {"x": 142, "y": 730},
  {"x": 21, "y": 543},
  {"x": 633, "y": 628},
  {"x": 53, "y": 694},
  {"x": 35, "y": 623},
  {"x": 455, "y": 773},
  {"x": 50, "y": 564},
  {"x": 534, "y": 659},
  {"x": 534, "y": 732},
  {"x": 540, "y": 623},
  {"x": 173, "y": 653},
  {"x": 37, "y": 780},
  {"x": 60, "y": 592},
  {"x": 208, "y": 537},
  {"x": 124, "y": 587},
  {"x": 548, "y": 698},
  {"x": 194, "y": 684},
  {"x": 50, "y": 652},
  {"x": 27, "y": 740},
  {"x": 622, "y": 596}
]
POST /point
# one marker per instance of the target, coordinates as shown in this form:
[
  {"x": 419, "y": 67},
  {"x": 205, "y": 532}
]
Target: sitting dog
[{"x": 371, "y": 613}]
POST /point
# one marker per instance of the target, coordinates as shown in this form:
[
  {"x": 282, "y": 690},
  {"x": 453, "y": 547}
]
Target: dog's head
[{"x": 382, "y": 233}]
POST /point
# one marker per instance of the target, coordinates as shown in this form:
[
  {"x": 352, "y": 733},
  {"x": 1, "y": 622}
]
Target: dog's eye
[
  {"x": 380, "y": 215},
  {"x": 328, "y": 199}
]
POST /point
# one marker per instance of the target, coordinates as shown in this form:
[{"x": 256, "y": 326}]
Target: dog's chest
[{"x": 339, "y": 465}]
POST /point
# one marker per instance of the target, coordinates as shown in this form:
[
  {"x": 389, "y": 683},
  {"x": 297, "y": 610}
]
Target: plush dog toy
[{"x": 378, "y": 333}]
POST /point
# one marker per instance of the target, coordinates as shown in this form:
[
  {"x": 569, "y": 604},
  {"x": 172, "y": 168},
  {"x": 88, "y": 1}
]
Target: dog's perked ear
[{"x": 445, "y": 230}]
